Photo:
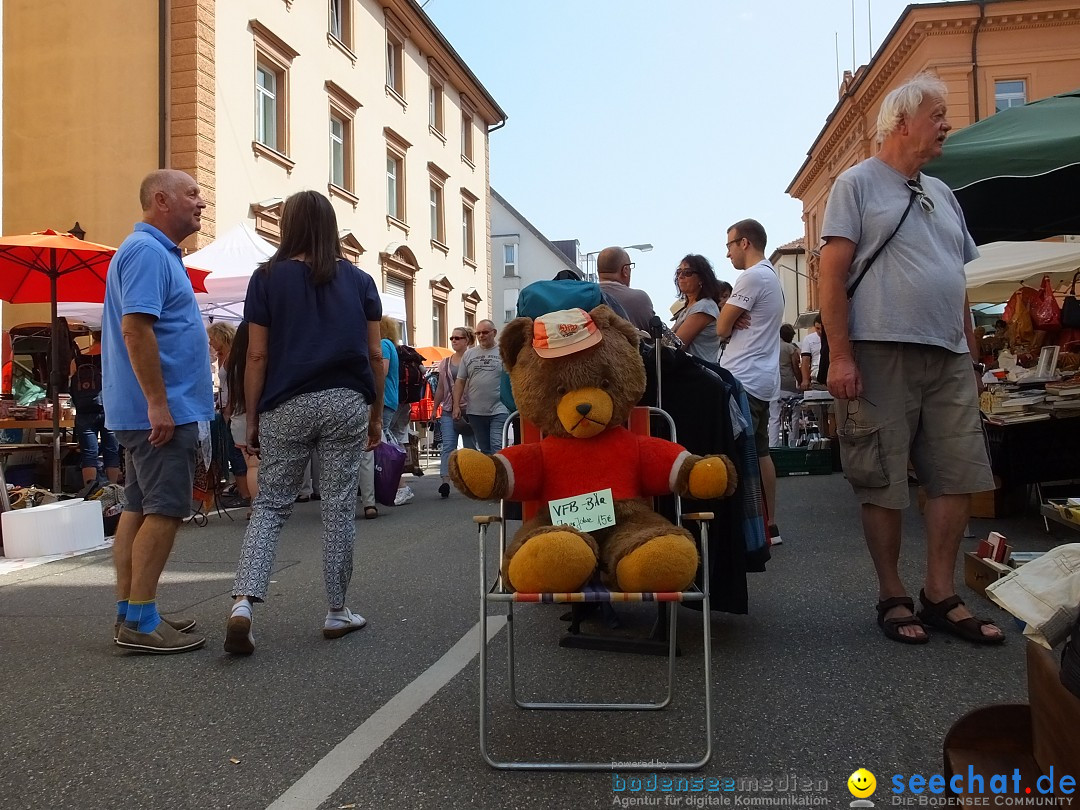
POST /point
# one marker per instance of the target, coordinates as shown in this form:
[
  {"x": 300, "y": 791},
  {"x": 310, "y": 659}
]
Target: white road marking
[{"x": 330, "y": 772}]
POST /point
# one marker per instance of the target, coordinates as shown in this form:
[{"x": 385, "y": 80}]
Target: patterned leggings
[{"x": 334, "y": 423}]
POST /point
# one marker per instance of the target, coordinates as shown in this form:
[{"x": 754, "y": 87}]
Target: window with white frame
[
  {"x": 466, "y": 136},
  {"x": 395, "y": 186},
  {"x": 510, "y": 260},
  {"x": 341, "y": 21},
  {"x": 438, "y": 322},
  {"x": 395, "y": 56},
  {"x": 508, "y": 315},
  {"x": 266, "y": 105},
  {"x": 273, "y": 59},
  {"x": 435, "y": 106},
  {"x": 343, "y": 108},
  {"x": 468, "y": 242},
  {"x": 437, "y": 233},
  {"x": 1009, "y": 93}
]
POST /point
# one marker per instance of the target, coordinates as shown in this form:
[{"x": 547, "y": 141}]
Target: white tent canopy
[
  {"x": 1003, "y": 266},
  {"x": 230, "y": 260}
]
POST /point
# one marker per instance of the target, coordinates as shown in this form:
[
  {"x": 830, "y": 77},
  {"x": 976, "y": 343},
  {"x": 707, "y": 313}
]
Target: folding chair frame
[{"x": 497, "y": 593}]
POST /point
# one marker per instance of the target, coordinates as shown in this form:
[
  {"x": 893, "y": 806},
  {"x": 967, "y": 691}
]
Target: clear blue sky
[{"x": 633, "y": 121}]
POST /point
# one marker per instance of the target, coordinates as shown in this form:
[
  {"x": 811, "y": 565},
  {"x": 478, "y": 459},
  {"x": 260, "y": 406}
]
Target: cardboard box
[
  {"x": 53, "y": 528},
  {"x": 978, "y": 572}
]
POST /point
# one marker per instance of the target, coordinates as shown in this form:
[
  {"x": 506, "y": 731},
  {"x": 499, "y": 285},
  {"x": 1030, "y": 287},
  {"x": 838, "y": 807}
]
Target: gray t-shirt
[
  {"x": 481, "y": 369},
  {"x": 914, "y": 292},
  {"x": 638, "y": 305},
  {"x": 707, "y": 343}
]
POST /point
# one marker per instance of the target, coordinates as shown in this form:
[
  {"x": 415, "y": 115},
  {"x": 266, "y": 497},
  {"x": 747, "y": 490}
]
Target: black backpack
[
  {"x": 85, "y": 383},
  {"x": 410, "y": 374}
]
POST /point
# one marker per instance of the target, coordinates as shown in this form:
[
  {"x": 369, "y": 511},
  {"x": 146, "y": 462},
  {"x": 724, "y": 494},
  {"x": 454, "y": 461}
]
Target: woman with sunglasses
[
  {"x": 461, "y": 339},
  {"x": 695, "y": 323}
]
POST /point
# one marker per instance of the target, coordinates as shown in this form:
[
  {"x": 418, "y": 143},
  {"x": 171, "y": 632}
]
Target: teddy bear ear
[
  {"x": 606, "y": 319},
  {"x": 514, "y": 337}
]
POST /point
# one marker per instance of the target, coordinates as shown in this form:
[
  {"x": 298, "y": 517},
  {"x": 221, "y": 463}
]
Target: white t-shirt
[
  {"x": 811, "y": 345},
  {"x": 751, "y": 353}
]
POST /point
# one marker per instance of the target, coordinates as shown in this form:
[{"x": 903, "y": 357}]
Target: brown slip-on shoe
[
  {"x": 181, "y": 624},
  {"x": 238, "y": 637},
  {"x": 165, "y": 639}
]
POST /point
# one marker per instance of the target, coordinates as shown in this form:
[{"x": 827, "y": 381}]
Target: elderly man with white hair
[{"x": 904, "y": 364}]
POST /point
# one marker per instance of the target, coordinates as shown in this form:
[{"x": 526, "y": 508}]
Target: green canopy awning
[{"x": 1016, "y": 173}]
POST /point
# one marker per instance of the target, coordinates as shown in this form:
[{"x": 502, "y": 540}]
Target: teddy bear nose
[{"x": 584, "y": 408}]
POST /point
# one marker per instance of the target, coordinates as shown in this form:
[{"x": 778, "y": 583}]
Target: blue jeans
[
  {"x": 487, "y": 431},
  {"x": 88, "y": 428},
  {"x": 450, "y": 441}
]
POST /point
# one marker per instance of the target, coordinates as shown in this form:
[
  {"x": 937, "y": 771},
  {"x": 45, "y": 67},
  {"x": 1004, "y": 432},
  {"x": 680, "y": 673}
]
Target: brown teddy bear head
[{"x": 584, "y": 391}]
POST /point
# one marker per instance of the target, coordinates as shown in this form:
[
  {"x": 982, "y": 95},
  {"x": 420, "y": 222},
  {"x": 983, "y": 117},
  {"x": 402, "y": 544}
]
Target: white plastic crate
[{"x": 53, "y": 528}]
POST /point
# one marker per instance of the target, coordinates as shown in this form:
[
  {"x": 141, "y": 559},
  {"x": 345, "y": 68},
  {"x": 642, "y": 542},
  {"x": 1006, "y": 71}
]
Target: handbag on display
[
  {"x": 1070, "y": 309},
  {"x": 1046, "y": 314},
  {"x": 389, "y": 464}
]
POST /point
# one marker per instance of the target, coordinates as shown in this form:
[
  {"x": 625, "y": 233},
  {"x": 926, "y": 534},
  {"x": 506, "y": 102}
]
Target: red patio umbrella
[{"x": 48, "y": 267}]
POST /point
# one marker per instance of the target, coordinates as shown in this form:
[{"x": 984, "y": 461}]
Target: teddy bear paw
[
  {"x": 553, "y": 562},
  {"x": 712, "y": 477},
  {"x": 664, "y": 564}
]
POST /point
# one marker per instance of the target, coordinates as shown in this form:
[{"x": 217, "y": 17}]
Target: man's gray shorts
[
  {"x": 159, "y": 479},
  {"x": 919, "y": 403},
  {"x": 759, "y": 413}
]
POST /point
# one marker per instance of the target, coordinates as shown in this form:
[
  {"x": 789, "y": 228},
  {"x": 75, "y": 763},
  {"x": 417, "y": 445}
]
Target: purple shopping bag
[{"x": 389, "y": 463}]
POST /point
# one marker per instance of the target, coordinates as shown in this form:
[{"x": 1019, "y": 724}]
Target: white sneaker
[
  {"x": 774, "y": 536},
  {"x": 404, "y": 495},
  {"x": 341, "y": 622}
]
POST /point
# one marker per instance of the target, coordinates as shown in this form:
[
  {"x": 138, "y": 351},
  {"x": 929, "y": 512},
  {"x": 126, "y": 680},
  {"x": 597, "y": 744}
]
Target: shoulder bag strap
[{"x": 881, "y": 247}]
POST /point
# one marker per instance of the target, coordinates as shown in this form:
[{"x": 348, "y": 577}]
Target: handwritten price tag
[{"x": 586, "y": 513}]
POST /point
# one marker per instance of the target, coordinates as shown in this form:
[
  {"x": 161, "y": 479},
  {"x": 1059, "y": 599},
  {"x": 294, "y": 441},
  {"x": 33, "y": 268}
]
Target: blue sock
[
  {"x": 142, "y": 616},
  {"x": 121, "y": 610}
]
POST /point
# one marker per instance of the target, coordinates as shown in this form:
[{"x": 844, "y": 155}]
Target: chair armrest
[
  {"x": 484, "y": 520},
  {"x": 699, "y": 516}
]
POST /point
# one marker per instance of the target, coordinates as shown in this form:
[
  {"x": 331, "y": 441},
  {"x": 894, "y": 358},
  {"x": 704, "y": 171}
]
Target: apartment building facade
[
  {"x": 520, "y": 255},
  {"x": 991, "y": 55},
  {"x": 364, "y": 101}
]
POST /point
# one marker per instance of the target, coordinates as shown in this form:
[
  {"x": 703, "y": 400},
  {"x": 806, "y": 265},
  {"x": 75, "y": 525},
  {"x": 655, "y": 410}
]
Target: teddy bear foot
[
  {"x": 553, "y": 562},
  {"x": 663, "y": 564}
]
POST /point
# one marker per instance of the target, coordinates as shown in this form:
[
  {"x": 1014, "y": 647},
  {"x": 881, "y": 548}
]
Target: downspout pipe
[
  {"x": 163, "y": 81},
  {"x": 975, "y": 57}
]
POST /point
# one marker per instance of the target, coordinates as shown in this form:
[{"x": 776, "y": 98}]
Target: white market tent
[
  {"x": 230, "y": 260},
  {"x": 1003, "y": 266}
]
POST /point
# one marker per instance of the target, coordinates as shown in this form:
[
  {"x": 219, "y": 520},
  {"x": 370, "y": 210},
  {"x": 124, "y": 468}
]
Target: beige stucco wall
[
  {"x": 80, "y": 130},
  {"x": 244, "y": 178},
  {"x": 1034, "y": 40}
]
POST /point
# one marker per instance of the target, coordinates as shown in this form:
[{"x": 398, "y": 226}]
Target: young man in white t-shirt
[{"x": 751, "y": 352}]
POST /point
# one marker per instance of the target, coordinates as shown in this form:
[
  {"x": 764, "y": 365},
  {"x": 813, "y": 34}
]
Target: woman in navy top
[{"x": 313, "y": 381}]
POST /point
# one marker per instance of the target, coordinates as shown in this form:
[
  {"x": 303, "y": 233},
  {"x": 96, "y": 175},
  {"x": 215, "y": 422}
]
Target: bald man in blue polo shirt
[{"x": 156, "y": 388}]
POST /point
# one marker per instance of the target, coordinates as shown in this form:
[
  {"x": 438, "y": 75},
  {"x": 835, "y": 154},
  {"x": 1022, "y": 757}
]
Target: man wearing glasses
[
  {"x": 478, "y": 382},
  {"x": 894, "y": 304},
  {"x": 750, "y": 324},
  {"x": 613, "y": 266}
]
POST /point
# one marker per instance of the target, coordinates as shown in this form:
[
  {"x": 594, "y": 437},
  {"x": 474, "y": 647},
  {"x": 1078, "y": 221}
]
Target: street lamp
[{"x": 590, "y": 272}]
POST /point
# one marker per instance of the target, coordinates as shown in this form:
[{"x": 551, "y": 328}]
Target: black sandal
[
  {"x": 969, "y": 629},
  {"x": 891, "y": 627}
]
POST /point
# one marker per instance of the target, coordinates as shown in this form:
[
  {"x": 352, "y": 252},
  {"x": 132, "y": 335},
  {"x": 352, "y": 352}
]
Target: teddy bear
[{"x": 577, "y": 376}]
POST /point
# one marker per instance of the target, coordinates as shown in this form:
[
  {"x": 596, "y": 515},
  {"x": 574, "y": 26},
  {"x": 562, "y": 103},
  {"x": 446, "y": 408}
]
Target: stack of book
[
  {"x": 995, "y": 547},
  {"x": 1062, "y": 398},
  {"x": 1016, "y": 406}
]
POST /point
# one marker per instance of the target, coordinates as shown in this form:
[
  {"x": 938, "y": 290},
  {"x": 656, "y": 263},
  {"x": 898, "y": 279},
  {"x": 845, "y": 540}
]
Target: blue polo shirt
[
  {"x": 318, "y": 335},
  {"x": 147, "y": 276}
]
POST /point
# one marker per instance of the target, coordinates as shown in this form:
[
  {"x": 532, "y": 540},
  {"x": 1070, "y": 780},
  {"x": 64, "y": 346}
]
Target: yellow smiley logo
[{"x": 861, "y": 783}]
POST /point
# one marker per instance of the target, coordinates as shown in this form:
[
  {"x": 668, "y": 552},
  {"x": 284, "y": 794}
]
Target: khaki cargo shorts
[{"x": 918, "y": 402}]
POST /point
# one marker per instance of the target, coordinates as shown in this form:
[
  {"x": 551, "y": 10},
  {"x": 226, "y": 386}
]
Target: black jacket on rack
[{"x": 697, "y": 396}]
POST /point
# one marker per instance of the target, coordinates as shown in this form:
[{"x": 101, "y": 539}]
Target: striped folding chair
[{"x": 495, "y": 592}]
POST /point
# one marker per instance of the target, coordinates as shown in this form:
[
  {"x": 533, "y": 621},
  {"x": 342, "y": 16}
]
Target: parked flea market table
[{"x": 27, "y": 426}]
